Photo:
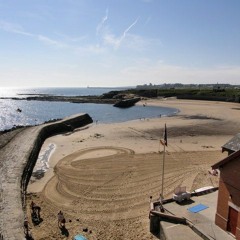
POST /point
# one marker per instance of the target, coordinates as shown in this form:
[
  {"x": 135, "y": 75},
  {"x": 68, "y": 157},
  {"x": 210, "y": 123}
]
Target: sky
[{"x": 117, "y": 43}]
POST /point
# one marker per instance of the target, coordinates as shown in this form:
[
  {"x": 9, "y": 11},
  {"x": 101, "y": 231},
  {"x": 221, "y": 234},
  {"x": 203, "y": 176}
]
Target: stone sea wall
[{"x": 17, "y": 160}]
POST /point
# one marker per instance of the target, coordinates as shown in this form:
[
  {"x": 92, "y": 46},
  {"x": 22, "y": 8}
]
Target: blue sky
[{"x": 79, "y": 43}]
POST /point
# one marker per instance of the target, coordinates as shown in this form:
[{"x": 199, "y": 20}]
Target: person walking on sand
[
  {"x": 35, "y": 209},
  {"x": 33, "y": 206},
  {"x": 25, "y": 224},
  {"x": 61, "y": 219}
]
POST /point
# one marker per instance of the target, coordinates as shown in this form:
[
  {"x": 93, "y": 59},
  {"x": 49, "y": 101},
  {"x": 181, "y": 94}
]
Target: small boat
[{"x": 19, "y": 110}]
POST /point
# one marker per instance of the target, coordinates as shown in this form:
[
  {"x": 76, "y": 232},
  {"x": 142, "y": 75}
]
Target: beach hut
[{"x": 79, "y": 237}]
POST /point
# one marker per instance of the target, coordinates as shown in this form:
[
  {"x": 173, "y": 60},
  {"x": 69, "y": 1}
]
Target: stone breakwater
[{"x": 18, "y": 156}]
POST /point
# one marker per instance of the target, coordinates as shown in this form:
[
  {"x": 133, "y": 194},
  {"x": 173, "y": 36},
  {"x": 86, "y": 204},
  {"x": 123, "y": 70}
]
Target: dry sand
[{"x": 102, "y": 176}]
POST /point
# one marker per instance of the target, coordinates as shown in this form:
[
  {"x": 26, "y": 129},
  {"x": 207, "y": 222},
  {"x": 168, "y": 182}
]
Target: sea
[{"x": 15, "y": 112}]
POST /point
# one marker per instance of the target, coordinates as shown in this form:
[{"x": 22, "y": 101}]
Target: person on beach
[
  {"x": 161, "y": 202},
  {"x": 33, "y": 205},
  {"x": 25, "y": 224},
  {"x": 35, "y": 209},
  {"x": 28, "y": 235},
  {"x": 61, "y": 220}
]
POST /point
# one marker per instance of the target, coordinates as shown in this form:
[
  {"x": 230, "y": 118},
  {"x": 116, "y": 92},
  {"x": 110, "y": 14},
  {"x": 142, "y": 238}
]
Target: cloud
[
  {"x": 125, "y": 32},
  {"x": 147, "y": 21},
  {"x": 101, "y": 24},
  {"x": 111, "y": 39},
  {"x": 13, "y": 28},
  {"x": 139, "y": 43},
  {"x": 86, "y": 49},
  {"x": 93, "y": 49},
  {"x": 17, "y": 29},
  {"x": 52, "y": 42},
  {"x": 70, "y": 38}
]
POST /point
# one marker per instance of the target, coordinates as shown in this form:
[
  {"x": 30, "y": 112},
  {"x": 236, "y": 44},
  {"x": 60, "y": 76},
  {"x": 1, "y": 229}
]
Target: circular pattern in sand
[
  {"x": 113, "y": 183},
  {"x": 107, "y": 190}
]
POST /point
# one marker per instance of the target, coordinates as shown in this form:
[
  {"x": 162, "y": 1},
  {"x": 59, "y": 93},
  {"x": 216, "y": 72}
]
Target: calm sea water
[{"x": 37, "y": 112}]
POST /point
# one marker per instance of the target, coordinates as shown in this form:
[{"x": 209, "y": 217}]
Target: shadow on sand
[{"x": 64, "y": 231}]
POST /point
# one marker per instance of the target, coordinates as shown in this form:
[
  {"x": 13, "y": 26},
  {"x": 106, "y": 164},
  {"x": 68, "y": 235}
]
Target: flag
[
  {"x": 165, "y": 135},
  {"x": 164, "y": 140}
]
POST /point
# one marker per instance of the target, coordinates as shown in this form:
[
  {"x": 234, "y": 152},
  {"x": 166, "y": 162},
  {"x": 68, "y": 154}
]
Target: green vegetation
[{"x": 214, "y": 94}]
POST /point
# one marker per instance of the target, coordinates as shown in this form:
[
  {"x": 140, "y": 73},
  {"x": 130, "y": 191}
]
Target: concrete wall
[{"x": 17, "y": 160}]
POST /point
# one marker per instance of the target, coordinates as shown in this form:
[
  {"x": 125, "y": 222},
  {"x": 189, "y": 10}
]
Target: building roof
[
  {"x": 233, "y": 144},
  {"x": 226, "y": 160}
]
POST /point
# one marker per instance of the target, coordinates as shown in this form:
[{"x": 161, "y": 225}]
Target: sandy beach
[{"x": 101, "y": 176}]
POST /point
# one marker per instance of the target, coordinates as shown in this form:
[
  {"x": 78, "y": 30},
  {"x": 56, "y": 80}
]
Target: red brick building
[{"x": 228, "y": 206}]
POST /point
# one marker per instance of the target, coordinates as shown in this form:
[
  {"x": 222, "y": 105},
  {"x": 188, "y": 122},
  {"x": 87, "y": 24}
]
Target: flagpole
[
  {"x": 164, "y": 151},
  {"x": 163, "y": 165}
]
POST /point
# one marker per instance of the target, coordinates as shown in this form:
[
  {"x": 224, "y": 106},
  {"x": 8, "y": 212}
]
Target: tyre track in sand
[{"x": 109, "y": 187}]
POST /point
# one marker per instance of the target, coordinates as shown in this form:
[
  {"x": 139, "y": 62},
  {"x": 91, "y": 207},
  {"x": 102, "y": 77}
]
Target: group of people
[{"x": 36, "y": 218}]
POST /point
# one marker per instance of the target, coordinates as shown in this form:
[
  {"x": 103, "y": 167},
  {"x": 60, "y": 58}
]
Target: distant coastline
[
  {"x": 27, "y": 107},
  {"x": 37, "y": 106},
  {"x": 224, "y": 92}
]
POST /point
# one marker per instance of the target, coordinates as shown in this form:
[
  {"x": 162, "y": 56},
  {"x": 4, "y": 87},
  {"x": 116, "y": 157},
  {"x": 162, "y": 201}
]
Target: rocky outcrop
[
  {"x": 17, "y": 159},
  {"x": 126, "y": 103}
]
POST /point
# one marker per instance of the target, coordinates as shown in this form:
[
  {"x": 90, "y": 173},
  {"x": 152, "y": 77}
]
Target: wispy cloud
[
  {"x": 102, "y": 30},
  {"x": 147, "y": 21},
  {"x": 50, "y": 41},
  {"x": 114, "y": 41},
  {"x": 92, "y": 49},
  {"x": 14, "y": 28},
  {"x": 70, "y": 38},
  {"x": 107, "y": 36},
  {"x": 85, "y": 49},
  {"x": 140, "y": 43},
  {"x": 125, "y": 32},
  {"x": 101, "y": 24},
  {"x": 17, "y": 29}
]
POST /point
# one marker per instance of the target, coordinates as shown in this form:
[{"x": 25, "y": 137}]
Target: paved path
[{"x": 13, "y": 158}]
